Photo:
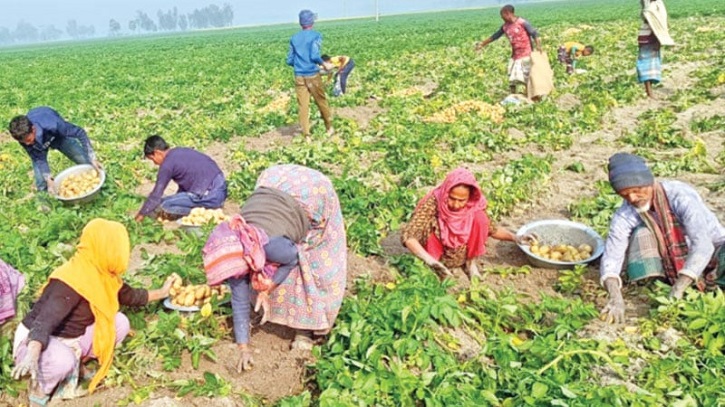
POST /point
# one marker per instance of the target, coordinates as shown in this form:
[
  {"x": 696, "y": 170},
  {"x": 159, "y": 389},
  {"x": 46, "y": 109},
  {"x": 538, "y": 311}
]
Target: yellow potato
[{"x": 200, "y": 292}]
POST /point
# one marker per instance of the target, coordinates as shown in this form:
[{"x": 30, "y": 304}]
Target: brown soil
[
  {"x": 567, "y": 102},
  {"x": 361, "y": 114}
]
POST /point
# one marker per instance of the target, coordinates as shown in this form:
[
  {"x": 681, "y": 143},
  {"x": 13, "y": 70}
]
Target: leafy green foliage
[{"x": 403, "y": 343}]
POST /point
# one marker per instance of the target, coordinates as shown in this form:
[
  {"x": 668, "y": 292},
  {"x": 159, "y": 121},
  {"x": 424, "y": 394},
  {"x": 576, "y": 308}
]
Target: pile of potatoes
[
  {"x": 76, "y": 185},
  {"x": 450, "y": 115},
  {"x": 562, "y": 252},
  {"x": 202, "y": 216},
  {"x": 194, "y": 295}
]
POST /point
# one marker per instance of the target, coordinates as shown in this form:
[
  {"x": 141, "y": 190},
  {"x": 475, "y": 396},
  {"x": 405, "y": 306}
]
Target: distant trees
[
  {"x": 114, "y": 27},
  {"x": 50, "y": 33},
  {"x": 211, "y": 16},
  {"x": 25, "y": 32},
  {"x": 76, "y": 31}
]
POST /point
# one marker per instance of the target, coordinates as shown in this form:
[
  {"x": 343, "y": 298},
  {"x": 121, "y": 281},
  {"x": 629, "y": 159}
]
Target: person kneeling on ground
[
  {"x": 449, "y": 226},
  {"x": 201, "y": 182},
  {"x": 77, "y": 316},
  {"x": 664, "y": 230},
  {"x": 288, "y": 244},
  {"x": 570, "y": 52}
]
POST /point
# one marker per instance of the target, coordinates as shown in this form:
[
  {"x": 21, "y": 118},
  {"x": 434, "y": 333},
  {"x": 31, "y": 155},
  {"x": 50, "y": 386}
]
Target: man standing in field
[
  {"x": 653, "y": 33},
  {"x": 304, "y": 56},
  {"x": 200, "y": 180},
  {"x": 664, "y": 230},
  {"x": 520, "y": 34},
  {"x": 42, "y": 129}
]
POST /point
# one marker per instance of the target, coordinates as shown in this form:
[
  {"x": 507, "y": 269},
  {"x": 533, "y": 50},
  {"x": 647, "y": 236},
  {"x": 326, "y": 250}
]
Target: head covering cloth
[
  {"x": 233, "y": 249},
  {"x": 455, "y": 226},
  {"x": 94, "y": 272}
]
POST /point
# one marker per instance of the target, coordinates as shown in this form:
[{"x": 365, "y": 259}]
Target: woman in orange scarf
[{"x": 77, "y": 315}]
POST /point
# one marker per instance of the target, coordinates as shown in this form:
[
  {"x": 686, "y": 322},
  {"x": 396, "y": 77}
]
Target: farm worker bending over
[
  {"x": 42, "y": 129},
  {"x": 201, "y": 182},
  {"x": 304, "y": 56},
  {"x": 11, "y": 283},
  {"x": 344, "y": 65},
  {"x": 653, "y": 33},
  {"x": 77, "y": 316},
  {"x": 520, "y": 33},
  {"x": 570, "y": 52},
  {"x": 449, "y": 227},
  {"x": 288, "y": 246},
  {"x": 664, "y": 230}
]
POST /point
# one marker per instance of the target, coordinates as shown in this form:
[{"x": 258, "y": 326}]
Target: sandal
[{"x": 36, "y": 397}]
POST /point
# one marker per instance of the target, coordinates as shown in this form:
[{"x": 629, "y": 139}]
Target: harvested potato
[
  {"x": 194, "y": 295},
  {"x": 562, "y": 252},
  {"x": 80, "y": 184},
  {"x": 202, "y": 216}
]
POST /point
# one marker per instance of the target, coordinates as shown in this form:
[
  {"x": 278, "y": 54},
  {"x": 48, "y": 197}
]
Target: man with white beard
[{"x": 664, "y": 230}]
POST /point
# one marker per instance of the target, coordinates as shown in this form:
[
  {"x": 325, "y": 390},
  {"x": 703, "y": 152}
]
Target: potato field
[{"x": 420, "y": 103}]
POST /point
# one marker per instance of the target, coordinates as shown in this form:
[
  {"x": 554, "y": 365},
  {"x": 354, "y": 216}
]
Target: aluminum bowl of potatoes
[
  {"x": 79, "y": 184},
  {"x": 560, "y": 244}
]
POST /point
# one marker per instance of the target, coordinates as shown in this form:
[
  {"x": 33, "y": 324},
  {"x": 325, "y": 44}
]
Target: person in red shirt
[{"x": 520, "y": 34}]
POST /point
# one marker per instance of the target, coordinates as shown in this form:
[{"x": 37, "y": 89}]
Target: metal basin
[
  {"x": 560, "y": 231},
  {"x": 77, "y": 169}
]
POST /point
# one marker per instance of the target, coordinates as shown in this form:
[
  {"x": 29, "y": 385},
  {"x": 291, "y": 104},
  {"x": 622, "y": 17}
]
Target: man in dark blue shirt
[
  {"x": 42, "y": 129},
  {"x": 200, "y": 180}
]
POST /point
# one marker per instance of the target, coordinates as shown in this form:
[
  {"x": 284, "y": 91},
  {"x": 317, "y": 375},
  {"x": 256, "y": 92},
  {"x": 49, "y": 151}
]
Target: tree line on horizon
[{"x": 211, "y": 16}]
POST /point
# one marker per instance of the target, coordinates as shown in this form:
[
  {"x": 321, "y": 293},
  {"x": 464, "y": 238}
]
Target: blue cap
[
  {"x": 628, "y": 171},
  {"x": 307, "y": 18}
]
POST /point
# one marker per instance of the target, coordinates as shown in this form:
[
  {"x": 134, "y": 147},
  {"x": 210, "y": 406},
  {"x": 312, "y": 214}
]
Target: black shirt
[{"x": 62, "y": 312}]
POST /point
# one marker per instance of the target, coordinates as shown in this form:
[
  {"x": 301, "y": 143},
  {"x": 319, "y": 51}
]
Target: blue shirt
[
  {"x": 193, "y": 171},
  {"x": 304, "y": 53},
  {"x": 703, "y": 231},
  {"x": 50, "y": 126}
]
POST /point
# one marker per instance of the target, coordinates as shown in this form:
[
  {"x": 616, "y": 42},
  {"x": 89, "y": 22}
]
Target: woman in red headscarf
[{"x": 449, "y": 227}]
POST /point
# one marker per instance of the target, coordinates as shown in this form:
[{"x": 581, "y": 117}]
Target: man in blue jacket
[
  {"x": 42, "y": 129},
  {"x": 304, "y": 55}
]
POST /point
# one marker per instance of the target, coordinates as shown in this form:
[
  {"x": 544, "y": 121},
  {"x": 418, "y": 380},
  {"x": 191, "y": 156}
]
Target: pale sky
[{"x": 99, "y": 12}]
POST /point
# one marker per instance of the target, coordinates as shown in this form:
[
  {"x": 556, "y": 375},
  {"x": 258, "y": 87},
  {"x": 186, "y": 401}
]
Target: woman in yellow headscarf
[{"x": 77, "y": 315}]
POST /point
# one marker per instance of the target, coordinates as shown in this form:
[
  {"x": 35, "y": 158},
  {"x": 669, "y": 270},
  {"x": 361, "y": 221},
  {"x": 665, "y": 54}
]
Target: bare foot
[{"x": 472, "y": 270}]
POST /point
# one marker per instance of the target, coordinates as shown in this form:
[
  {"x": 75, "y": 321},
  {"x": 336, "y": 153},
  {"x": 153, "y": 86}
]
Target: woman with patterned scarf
[
  {"x": 77, "y": 316},
  {"x": 288, "y": 247},
  {"x": 663, "y": 230},
  {"x": 449, "y": 227}
]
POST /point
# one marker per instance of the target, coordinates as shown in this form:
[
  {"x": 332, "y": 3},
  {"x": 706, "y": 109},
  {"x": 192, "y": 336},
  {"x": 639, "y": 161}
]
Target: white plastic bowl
[
  {"x": 77, "y": 169},
  {"x": 559, "y": 231}
]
